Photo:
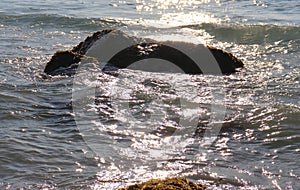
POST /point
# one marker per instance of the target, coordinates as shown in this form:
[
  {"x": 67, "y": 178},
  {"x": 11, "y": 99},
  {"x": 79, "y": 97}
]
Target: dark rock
[
  {"x": 82, "y": 47},
  {"x": 227, "y": 62},
  {"x": 64, "y": 59}
]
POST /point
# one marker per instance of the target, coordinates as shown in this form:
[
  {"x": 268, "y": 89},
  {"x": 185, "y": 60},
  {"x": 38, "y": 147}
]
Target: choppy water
[{"x": 42, "y": 146}]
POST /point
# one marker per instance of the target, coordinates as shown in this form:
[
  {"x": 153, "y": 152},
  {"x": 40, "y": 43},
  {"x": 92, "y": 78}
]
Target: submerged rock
[
  {"x": 68, "y": 58},
  {"x": 166, "y": 184}
]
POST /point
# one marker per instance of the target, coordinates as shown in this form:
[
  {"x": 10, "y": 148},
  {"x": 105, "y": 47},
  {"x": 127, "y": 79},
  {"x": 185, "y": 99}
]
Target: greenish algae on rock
[{"x": 166, "y": 184}]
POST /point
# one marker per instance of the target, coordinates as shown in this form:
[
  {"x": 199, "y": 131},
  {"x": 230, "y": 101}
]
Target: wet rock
[
  {"x": 65, "y": 59},
  {"x": 62, "y": 60},
  {"x": 166, "y": 184},
  {"x": 228, "y": 63}
]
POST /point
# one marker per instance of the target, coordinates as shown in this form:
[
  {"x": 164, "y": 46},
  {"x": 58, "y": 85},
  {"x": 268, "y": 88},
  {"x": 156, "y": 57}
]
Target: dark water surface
[{"x": 258, "y": 147}]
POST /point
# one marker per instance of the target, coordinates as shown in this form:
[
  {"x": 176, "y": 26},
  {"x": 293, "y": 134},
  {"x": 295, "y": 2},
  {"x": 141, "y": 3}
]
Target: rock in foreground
[{"x": 166, "y": 184}]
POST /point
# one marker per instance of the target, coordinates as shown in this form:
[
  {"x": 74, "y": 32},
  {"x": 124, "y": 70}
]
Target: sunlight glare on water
[
  {"x": 179, "y": 5},
  {"x": 174, "y": 12}
]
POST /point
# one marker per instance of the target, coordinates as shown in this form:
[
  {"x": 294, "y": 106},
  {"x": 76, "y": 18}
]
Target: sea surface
[{"x": 139, "y": 132}]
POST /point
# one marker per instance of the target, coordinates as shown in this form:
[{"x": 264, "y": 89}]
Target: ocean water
[{"x": 43, "y": 144}]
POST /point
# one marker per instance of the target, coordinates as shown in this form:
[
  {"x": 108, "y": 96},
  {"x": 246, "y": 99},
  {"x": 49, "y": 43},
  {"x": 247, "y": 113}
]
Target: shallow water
[{"x": 45, "y": 146}]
